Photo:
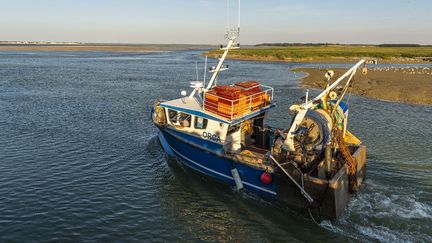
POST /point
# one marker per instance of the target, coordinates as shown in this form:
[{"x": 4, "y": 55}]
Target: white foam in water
[
  {"x": 327, "y": 224},
  {"x": 383, "y": 234},
  {"x": 372, "y": 215},
  {"x": 406, "y": 207}
]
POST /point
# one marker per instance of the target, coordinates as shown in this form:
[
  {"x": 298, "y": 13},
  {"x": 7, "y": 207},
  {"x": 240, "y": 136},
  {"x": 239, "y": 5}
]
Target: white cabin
[{"x": 188, "y": 115}]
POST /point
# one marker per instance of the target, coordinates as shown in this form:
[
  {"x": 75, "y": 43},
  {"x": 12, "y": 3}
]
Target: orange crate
[
  {"x": 211, "y": 95},
  {"x": 249, "y": 85},
  {"x": 230, "y": 102}
]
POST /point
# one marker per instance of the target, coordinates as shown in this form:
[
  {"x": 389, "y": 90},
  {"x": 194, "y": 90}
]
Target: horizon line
[{"x": 26, "y": 42}]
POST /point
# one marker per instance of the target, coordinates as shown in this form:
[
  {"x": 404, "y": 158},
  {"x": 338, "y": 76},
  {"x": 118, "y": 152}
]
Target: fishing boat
[{"x": 220, "y": 131}]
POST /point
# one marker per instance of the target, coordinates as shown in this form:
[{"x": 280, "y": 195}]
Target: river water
[{"x": 79, "y": 158}]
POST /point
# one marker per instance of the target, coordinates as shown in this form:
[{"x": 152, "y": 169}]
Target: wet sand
[{"x": 406, "y": 85}]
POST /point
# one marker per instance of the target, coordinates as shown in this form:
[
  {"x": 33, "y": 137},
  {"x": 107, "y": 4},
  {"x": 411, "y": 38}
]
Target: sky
[{"x": 204, "y": 21}]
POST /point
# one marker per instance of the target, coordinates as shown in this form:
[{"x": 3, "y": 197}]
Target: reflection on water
[{"x": 80, "y": 159}]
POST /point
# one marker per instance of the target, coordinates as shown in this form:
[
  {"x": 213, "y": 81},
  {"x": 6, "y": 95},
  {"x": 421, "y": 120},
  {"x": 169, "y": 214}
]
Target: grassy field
[{"x": 330, "y": 53}]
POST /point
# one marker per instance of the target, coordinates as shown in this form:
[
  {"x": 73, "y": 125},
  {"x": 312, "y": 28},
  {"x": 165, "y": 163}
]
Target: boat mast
[{"x": 231, "y": 35}]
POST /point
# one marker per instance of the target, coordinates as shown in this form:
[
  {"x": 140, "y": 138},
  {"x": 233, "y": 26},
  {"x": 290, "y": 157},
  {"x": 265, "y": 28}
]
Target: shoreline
[
  {"x": 104, "y": 47},
  {"x": 204, "y": 48},
  {"x": 332, "y": 54},
  {"x": 403, "y": 85},
  {"x": 322, "y": 60}
]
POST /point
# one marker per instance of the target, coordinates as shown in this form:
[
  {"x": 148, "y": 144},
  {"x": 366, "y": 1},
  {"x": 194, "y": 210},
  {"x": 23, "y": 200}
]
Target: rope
[
  {"x": 349, "y": 95},
  {"x": 350, "y": 162},
  {"x": 312, "y": 217}
]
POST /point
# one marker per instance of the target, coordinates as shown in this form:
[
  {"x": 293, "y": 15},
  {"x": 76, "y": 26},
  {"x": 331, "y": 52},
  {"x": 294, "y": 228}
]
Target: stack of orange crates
[
  {"x": 252, "y": 90},
  {"x": 237, "y": 100},
  {"x": 223, "y": 100}
]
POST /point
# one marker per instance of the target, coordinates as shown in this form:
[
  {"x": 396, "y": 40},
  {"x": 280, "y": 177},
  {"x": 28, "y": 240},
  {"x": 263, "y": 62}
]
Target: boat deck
[{"x": 255, "y": 157}]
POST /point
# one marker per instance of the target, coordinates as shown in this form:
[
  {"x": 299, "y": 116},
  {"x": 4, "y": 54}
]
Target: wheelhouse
[{"x": 229, "y": 116}]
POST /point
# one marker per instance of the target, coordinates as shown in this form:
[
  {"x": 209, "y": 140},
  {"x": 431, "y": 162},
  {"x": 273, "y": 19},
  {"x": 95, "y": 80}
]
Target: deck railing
[{"x": 236, "y": 108}]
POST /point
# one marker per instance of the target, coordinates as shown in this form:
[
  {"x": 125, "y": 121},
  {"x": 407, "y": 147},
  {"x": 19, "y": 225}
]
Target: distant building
[{"x": 39, "y": 43}]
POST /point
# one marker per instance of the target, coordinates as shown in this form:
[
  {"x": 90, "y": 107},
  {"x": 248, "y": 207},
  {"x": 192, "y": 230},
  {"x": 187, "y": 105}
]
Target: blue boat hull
[{"x": 205, "y": 157}]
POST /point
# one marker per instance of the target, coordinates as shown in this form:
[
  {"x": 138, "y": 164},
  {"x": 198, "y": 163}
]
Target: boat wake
[{"x": 379, "y": 214}]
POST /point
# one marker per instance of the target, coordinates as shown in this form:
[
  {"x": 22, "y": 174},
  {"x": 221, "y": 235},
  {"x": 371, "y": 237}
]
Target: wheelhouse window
[
  {"x": 200, "y": 123},
  {"x": 179, "y": 119},
  {"x": 185, "y": 119},
  {"x": 172, "y": 115}
]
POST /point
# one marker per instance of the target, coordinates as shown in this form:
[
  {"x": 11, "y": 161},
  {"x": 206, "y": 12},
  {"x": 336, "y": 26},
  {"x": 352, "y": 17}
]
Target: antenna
[
  {"x": 228, "y": 15},
  {"x": 205, "y": 70},
  {"x": 196, "y": 70},
  {"x": 231, "y": 35},
  {"x": 238, "y": 17},
  {"x": 196, "y": 85}
]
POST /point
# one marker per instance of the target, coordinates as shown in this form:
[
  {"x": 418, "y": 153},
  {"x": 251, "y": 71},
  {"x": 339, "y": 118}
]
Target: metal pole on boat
[
  {"x": 302, "y": 190},
  {"x": 196, "y": 70},
  {"x": 238, "y": 17},
  {"x": 231, "y": 35},
  {"x": 228, "y": 15},
  {"x": 333, "y": 85},
  {"x": 222, "y": 59},
  {"x": 205, "y": 71}
]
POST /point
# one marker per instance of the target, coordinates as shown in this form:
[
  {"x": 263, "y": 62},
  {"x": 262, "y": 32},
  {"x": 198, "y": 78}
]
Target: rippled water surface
[{"x": 79, "y": 158}]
